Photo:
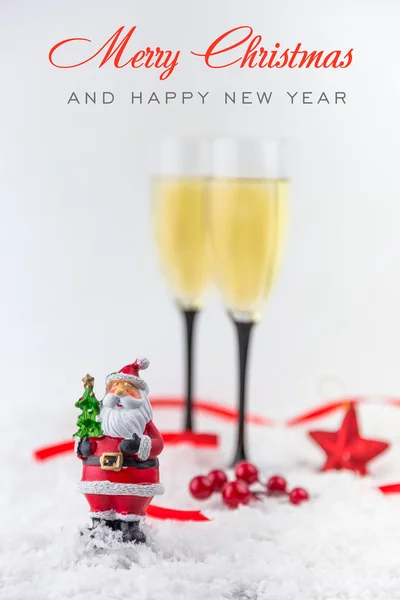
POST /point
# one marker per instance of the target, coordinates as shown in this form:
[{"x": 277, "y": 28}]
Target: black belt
[{"x": 127, "y": 461}]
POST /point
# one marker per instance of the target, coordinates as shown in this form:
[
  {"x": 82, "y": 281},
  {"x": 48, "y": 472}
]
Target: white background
[{"x": 80, "y": 284}]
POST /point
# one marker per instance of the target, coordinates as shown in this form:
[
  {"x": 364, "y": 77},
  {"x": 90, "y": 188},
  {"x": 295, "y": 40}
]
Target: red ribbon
[
  {"x": 392, "y": 401},
  {"x": 199, "y": 440},
  {"x": 390, "y": 488},
  {"x": 320, "y": 411},
  {"x": 224, "y": 413},
  {"x": 159, "y": 512},
  {"x": 50, "y": 451}
]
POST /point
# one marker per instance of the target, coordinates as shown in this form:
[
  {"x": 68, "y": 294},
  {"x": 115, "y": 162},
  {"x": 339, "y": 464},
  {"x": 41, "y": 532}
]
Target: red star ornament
[{"x": 345, "y": 448}]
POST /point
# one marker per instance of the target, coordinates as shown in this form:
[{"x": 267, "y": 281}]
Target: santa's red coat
[{"x": 123, "y": 494}]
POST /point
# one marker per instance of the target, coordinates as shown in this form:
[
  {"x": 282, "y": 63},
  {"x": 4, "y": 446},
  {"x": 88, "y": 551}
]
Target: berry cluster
[{"x": 238, "y": 492}]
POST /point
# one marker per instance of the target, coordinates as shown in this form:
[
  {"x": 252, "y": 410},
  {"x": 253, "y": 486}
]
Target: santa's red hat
[{"x": 131, "y": 373}]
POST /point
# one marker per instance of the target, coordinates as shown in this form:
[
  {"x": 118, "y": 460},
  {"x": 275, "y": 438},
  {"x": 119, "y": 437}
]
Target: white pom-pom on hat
[{"x": 142, "y": 363}]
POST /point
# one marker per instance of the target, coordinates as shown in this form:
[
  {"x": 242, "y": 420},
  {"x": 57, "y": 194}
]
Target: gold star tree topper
[{"x": 88, "y": 381}]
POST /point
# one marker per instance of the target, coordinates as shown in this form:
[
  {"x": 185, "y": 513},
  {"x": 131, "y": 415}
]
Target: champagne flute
[
  {"x": 179, "y": 196},
  {"x": 247, "y": 212}
]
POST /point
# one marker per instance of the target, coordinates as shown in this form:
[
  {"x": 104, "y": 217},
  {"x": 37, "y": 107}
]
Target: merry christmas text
[{"x": 239, "y": 46}]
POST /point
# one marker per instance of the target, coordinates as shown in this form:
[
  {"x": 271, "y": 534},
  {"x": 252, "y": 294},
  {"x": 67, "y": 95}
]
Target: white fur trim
[
  {"x": 125, "y": 377},
  {"x": 130, "y": 518},
  {"x": 107, "y": 515},
  {"x": 109, "y": 488},
  {"x": 144, "y": 448},
  {"x": 111, "y": 515},
  {"x": 142, "y": 363}
]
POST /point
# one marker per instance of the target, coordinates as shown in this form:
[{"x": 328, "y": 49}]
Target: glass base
[{"x": 239, "y": 456}]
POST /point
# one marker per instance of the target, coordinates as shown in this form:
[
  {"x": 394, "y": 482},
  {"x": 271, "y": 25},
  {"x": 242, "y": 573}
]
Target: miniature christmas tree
[{"x": 88, "y": 425}]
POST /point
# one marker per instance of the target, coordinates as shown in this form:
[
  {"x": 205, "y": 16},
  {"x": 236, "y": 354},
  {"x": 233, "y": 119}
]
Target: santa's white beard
[{"x": 125, "y": 422}]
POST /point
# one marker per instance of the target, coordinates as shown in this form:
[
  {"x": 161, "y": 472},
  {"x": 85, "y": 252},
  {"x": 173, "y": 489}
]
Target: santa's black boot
[
  {"x": 97, "y": 524},
  {"x": 131, "y": 532},
  {"x": 115, "y": 525},
  {"x": 102, "y": 523}
]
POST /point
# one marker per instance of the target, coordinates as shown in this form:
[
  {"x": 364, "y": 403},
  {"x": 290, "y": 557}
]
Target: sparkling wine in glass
[
  {"x": 247, "y": 214},
  {"x": 179, "y": 215}
]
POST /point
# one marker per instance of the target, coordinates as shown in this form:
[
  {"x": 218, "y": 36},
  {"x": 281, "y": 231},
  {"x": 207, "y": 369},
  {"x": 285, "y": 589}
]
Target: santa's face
[{"x": 125, "y": 410}]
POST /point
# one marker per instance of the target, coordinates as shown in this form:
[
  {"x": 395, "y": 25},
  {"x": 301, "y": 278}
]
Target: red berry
[
  {"x": 218, "y": 480},
  {"x": 246, "y": 471},
  {"x": 298, "y": 495},
  {"x": 276, "y": 483},
  {"x": 235, "y": 493},
  {"x": 200, "y": 487}
]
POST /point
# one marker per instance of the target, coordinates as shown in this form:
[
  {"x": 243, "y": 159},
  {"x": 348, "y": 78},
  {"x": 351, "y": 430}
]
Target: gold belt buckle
[{"x": 111, "y": 461}]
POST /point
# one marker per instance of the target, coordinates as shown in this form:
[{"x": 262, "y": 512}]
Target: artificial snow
[{"x": 342, "y": 545}]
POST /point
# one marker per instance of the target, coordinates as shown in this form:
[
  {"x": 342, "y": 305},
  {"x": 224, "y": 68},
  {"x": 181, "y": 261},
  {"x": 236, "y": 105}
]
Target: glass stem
[
  {"x": 243, "y": 329},
  {"x": 189, "y": 316}
]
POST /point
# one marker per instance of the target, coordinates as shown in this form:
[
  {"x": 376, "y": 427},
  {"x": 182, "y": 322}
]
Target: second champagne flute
[
  {"x": 247, "y": 207},
  {"x": 179, "y": 196}
]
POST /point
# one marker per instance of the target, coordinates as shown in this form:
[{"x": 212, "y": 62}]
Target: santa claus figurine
[{"x": 120, "y": 468}]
